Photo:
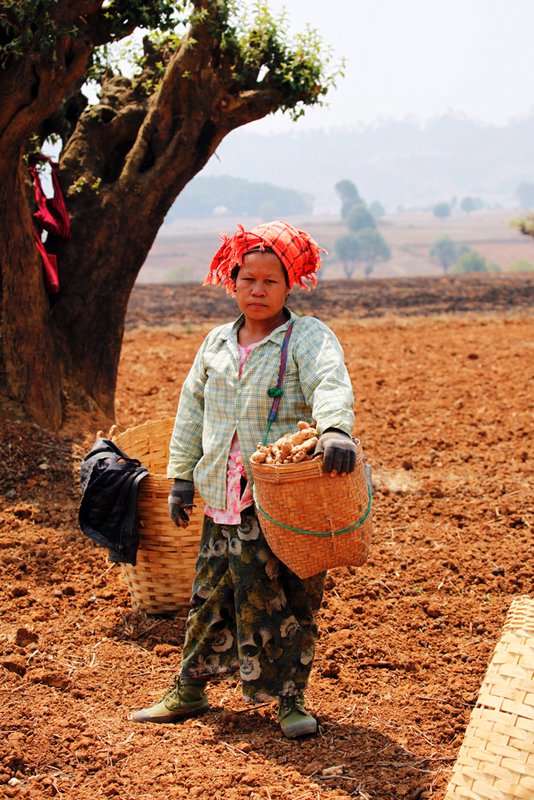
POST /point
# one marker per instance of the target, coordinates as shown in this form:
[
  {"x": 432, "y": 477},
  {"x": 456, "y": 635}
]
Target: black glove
[
  {"x": 180, "y": 501},
  {"x": 339, "y": 451}
]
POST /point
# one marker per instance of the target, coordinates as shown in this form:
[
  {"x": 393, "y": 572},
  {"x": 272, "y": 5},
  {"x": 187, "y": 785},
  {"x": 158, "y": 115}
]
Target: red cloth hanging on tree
[
  {"x": 50, "y": 270},
  {"x": 51, "y": 215}
]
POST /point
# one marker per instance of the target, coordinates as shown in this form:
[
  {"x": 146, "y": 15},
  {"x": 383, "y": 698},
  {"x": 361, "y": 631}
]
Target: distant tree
[
  {"x": 373, "y": 248},
  {"x": 377, "y": 209},
  {"x": 326, "y": 260},
  {"x": 521, "y": 265},
  {"x": 347, "y": 249},
  {"x": 359, "y": 217},
  {"x": 349, "y": 196},
  {"x": 441, "y": 210},
  {"x": 445, "y": 252},
  {"x": 467, "y": 205},
  {"x": 525, "y": 194},
  {"x": 471, "y": 261},
  {"x": 524, "y": 225}
]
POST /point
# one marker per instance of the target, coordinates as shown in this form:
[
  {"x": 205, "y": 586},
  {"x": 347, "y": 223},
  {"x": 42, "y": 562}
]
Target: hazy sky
[{"x": 420, "y": 58}]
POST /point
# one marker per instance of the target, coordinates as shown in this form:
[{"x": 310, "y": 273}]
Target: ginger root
[
  {"x": 281, "y": 450},
  {"x": 291, "y": 448},
  {"x": 261, "y": 453}
]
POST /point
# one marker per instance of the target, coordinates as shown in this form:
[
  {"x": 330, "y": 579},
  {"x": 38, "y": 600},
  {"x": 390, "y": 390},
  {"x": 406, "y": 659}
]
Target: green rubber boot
[
  {"x": 187, "y": 698},
  {"x": 293, "y": 717}
]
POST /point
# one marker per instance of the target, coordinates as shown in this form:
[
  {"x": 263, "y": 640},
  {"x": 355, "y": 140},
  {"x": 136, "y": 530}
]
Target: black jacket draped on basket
[{"x": 107, "y": 513}]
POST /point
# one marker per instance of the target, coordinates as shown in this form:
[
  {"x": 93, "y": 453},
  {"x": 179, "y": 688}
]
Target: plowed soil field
[{"x": 442, "y": 372}]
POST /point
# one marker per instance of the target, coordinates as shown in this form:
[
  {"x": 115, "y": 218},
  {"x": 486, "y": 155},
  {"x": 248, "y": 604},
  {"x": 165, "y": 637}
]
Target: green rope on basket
[{"x": 353, "y": 527}]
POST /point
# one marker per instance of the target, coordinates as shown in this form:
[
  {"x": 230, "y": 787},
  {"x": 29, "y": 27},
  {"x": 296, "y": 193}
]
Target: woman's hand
[
  {"x": 339, "y": 452},
  {"x": 180, "y": 502}
]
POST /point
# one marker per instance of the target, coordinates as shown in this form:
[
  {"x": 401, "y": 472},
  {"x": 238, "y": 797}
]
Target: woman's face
[{"x": 261, "y": 287}]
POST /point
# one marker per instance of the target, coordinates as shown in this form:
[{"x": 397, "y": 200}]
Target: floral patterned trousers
[{"x": 250, "y": 613}]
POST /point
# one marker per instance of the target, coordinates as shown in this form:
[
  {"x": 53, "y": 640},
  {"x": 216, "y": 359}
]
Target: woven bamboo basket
[
  {"x": 314, "y": 522},
  {"x": 496, "y": 759},
  {"x": 162, "y": 578}
]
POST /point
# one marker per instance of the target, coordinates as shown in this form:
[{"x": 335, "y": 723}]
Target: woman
[{"x": 249, "y": 612}]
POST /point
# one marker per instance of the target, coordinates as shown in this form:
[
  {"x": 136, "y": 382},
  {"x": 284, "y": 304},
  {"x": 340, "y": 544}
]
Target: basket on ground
[
  {"x": 496, "y": 759},
  {"x": 312, "y": 521},
  {"x": 162, "y": 578}
]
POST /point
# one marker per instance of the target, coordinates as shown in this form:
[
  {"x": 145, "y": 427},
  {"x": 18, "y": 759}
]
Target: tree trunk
[
  {"x": 113, "y": 228},
  {"x": 30, "y": 371}
]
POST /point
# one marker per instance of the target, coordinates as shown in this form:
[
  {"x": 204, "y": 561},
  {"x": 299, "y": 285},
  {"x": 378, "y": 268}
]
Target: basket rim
[
  {"x": 315, "y": 467},
  {"x": 117, "y": 431},
  {"x": 149, "y": 442}
]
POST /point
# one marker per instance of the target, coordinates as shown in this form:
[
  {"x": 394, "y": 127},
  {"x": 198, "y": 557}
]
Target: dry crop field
[
  {"x": 444, "y": 410},
  {"x": 184, "y": 247}
]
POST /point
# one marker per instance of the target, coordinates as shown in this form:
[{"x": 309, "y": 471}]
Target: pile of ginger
[{"x": 290, "y": 448}]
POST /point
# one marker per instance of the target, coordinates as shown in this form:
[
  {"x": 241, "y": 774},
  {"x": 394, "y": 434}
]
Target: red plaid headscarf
[{"x": 298, "y": 252}]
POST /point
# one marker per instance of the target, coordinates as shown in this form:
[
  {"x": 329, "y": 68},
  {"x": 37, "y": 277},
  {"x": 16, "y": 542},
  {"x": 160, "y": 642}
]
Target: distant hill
[
  {"x": 210, "y": 195},
  {"x": 400, "y": 163}
]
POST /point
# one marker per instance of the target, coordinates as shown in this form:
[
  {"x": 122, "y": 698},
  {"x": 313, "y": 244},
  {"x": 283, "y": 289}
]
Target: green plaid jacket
[{"x": 215, "y": 402}]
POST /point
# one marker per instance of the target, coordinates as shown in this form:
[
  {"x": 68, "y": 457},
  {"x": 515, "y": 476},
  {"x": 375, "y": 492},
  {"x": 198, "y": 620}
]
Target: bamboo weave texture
[
  {"x": 161, "y": 580},
  {"x": 496, "y": 759}
]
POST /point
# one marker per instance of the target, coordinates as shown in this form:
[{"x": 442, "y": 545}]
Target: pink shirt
[{"x": 235, "y": 501}]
